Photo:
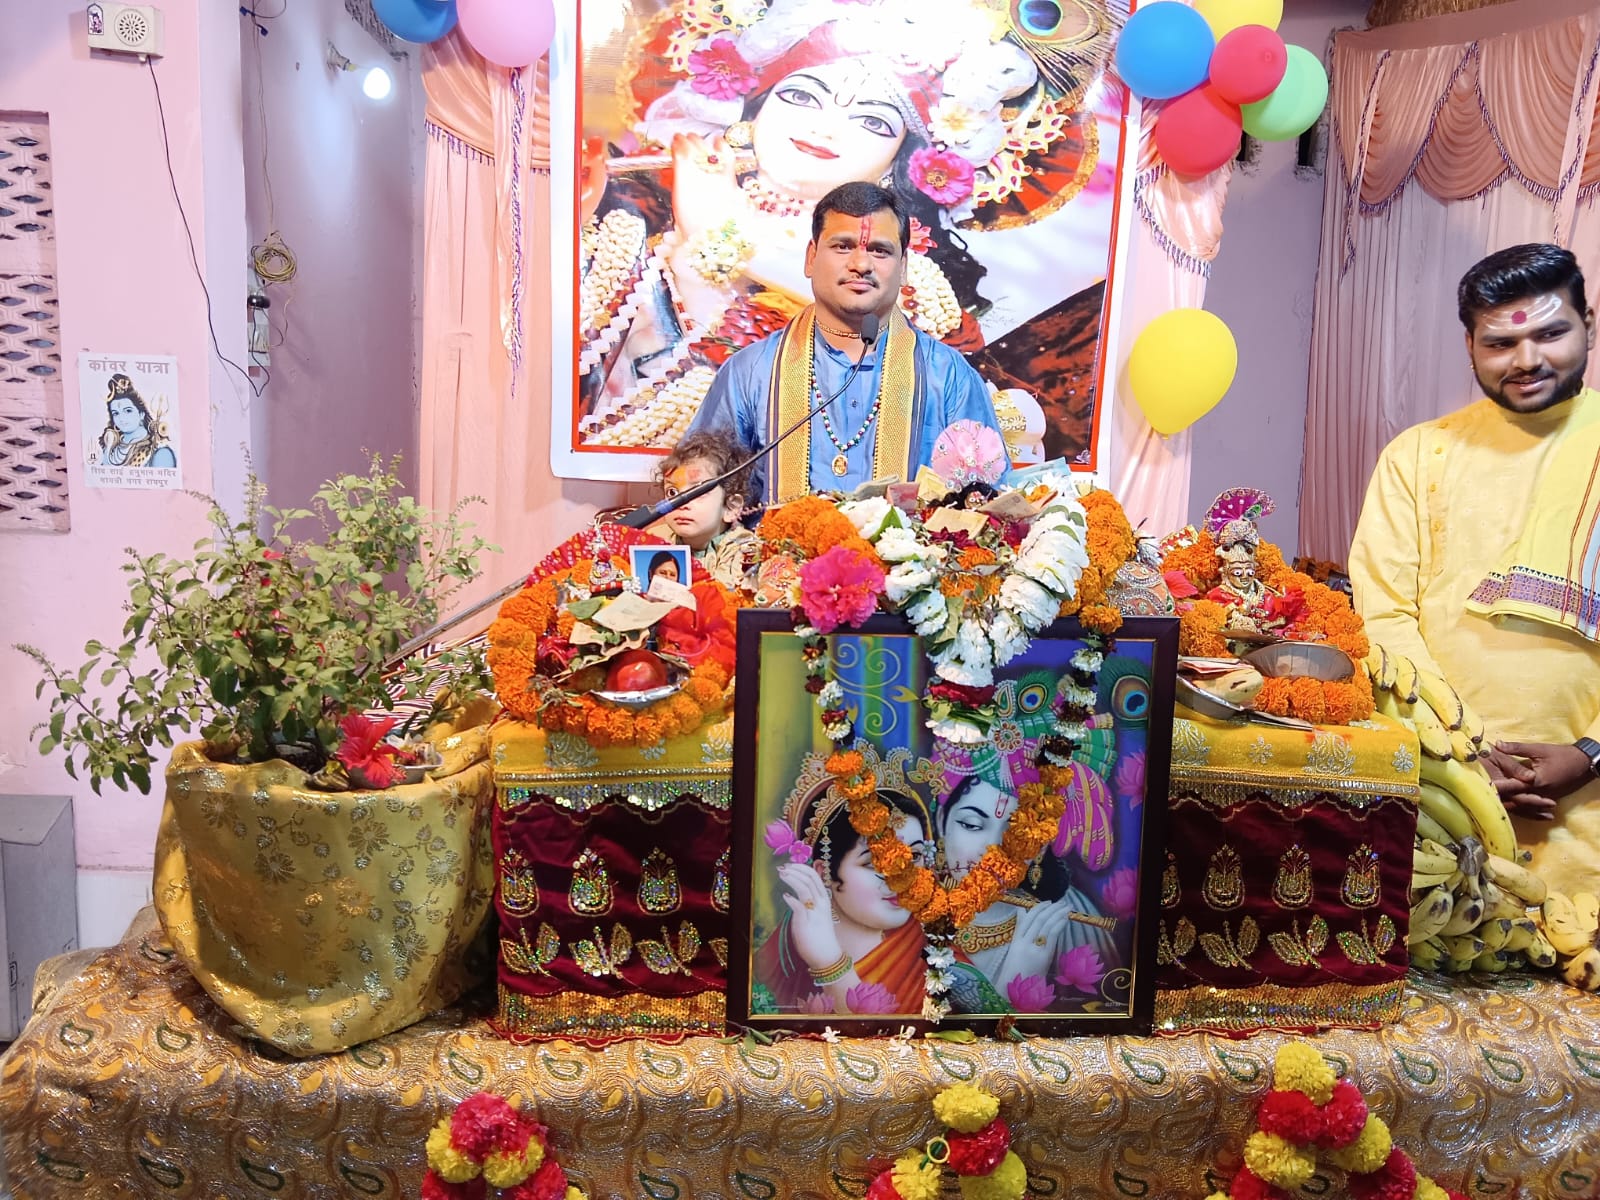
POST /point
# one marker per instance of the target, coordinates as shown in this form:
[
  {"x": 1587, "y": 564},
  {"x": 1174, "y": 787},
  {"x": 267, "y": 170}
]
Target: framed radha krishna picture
[{"x": 900, "y": 878}]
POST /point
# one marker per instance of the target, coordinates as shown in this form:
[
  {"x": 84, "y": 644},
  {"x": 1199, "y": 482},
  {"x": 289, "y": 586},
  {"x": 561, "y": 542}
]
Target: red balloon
[
  {"x": 1199, "y": 131},
  {"x": 1248, "y": 64}
]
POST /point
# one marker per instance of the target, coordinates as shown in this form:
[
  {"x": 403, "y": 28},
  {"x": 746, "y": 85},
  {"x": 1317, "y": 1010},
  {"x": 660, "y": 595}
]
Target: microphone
[{"x": 648, "y": 514}]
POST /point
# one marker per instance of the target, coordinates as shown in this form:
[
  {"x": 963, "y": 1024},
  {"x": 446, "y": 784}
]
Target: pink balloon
[
  {"x": 1248, "y": 64},
  {"x": 512, "y": 33},
  {"x": 1199, "y": 131}
]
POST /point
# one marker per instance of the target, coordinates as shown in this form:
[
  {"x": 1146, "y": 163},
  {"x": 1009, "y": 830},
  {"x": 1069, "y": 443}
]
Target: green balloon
[{"x": 1294, "y": 105}]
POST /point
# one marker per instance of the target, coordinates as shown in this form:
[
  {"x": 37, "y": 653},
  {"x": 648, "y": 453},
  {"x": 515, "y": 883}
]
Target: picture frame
[
  {"x": 1071, "y": 951},
  {"x": 644, "y": 561}
]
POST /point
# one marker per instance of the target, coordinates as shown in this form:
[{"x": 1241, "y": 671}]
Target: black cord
[{"x": 194, "y": 256}]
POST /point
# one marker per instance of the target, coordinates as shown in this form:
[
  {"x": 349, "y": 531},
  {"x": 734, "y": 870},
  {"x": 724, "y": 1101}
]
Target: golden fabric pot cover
[{"x": 319, "y": 920}]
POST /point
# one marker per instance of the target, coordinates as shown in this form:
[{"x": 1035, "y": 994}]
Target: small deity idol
[{"x": 1250, "y": 600}]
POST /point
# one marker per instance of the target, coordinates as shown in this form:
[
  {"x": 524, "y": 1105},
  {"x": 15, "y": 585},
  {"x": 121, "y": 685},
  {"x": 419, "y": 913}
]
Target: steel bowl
[{"x": 1313, "y": 660}]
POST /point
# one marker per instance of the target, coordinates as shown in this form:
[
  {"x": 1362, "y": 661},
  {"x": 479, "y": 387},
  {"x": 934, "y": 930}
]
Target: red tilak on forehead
[
  {"x": 866, "y": 232},
  {"x": 1519, "y": 317}
]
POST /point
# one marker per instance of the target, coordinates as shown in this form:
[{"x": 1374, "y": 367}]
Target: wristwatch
[{"x": 1591, "y": 748}]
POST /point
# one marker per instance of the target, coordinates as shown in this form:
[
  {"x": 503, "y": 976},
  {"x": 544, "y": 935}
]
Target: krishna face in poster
[{"x": 708, "y": 129}]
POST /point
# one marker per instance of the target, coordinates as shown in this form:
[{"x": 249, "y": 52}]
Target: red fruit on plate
[{"x": 636, "y": 671}]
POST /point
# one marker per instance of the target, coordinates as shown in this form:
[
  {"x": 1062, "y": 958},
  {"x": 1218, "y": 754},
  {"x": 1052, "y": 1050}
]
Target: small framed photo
[
  {"x": 648, "y": 563},
  {"x": 821, "y": 939}
]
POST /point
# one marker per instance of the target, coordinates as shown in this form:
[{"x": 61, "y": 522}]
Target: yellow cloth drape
[
  {"x": 1447, "y": 501},
  {"x": 319, "y": 920}
]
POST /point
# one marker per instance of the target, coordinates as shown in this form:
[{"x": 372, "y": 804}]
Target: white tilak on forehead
[{"x": 1541, "y": 308}]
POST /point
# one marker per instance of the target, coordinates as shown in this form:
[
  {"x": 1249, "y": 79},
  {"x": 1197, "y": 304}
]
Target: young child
[{"x": 709, "y": 526}]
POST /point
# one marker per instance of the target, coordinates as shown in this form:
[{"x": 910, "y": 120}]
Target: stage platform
[{"x": 129, "y": 1083}]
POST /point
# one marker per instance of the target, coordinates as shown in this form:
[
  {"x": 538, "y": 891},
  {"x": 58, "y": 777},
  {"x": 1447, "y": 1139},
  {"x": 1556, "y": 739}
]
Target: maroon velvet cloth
[
  {"x": 1282, "y": 905},
  {"x": 551, "y": 838}
]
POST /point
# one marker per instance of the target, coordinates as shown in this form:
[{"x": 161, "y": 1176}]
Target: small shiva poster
[{"x": 129, "y": 407}]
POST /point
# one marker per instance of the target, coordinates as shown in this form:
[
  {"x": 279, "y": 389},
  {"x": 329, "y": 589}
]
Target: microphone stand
[{"x": 650, "y": 513}]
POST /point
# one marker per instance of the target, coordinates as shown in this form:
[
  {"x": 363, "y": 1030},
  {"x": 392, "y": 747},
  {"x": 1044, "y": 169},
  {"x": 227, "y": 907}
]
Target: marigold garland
[
  {"x": 530, "y": 624},
  {"x": 487, "y": 1143},
  {"x": 1327, "y": 613},
  {"x": 1111, "y": 543},
  {"x": 813, "y": 525},
  {"x": 977, "y": 1150},
  {"x": 1310, "y": 1116}
]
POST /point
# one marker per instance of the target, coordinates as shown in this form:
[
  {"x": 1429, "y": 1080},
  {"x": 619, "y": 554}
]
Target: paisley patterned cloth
[
  {"x": 131, "y": 1084},
  {"x": 322, "y": 919},
  {"x": 1285, "y": 895}
]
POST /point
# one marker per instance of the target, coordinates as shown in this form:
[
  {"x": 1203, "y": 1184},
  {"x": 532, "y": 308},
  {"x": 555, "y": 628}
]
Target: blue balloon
[
  {"x": 416, "y": 20},
  {"x": 1165, "y": 50}
]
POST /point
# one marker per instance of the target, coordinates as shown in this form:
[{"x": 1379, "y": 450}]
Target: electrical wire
[
  {"x": 271, "y": 259},
  {"x": 194, "y": 255}
]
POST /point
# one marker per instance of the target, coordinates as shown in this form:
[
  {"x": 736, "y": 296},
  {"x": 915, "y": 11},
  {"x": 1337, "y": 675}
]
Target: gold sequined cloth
[
  {"x": 322, "y": 919},
  {"x": 130, "y": 1085}
]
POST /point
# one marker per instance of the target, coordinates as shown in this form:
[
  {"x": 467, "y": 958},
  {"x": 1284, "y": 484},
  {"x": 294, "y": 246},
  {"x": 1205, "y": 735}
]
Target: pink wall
[
  {"x": 126, "y": 285},
  {"x": 1262, "y": 284},
  {"x": 346, "y": 186}
]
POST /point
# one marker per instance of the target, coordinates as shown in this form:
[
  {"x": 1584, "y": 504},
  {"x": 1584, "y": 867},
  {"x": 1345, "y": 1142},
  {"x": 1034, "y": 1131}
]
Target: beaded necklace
[{"x": 841, "y": 466}]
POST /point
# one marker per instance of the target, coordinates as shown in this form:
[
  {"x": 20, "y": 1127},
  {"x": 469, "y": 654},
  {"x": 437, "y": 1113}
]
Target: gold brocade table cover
[
  {"x": 129, "y": 1084},
  {"x": 322, "y": 919},
  {"x": 1285, "y": 898}
]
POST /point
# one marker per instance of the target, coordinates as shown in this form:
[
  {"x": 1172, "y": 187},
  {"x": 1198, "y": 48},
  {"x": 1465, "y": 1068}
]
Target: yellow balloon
[
  {"x": 1181, "y": 365},
  {"x": 1225, "y": 16}
]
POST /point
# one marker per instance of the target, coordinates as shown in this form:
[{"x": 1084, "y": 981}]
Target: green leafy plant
[{"x": 267, "y": 637}]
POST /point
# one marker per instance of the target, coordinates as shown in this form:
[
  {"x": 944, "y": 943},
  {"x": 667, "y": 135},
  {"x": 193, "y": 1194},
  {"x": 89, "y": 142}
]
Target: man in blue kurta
[{"x": 904, "y": 395}]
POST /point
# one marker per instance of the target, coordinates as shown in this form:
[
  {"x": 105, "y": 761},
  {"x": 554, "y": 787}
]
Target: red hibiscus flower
[
  {"x": 720, "y": 71},
  {"x": 705, "y": 632},
  {"x": 1178, "y": 584},
  {"x": 841, "y": 587},
  {"x": 942, "y": 176},
  {"x": 365, "y": 755}
]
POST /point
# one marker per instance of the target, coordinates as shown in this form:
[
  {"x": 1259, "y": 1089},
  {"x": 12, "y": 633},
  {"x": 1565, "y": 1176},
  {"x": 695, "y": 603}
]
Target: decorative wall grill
[{"x": 33, "y": 441}]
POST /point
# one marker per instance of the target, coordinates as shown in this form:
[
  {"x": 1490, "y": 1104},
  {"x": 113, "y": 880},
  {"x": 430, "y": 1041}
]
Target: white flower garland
[{"x": 1038, "y": 579}]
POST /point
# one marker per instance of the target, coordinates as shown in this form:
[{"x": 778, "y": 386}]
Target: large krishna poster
[{"x": 691, "y": 139}]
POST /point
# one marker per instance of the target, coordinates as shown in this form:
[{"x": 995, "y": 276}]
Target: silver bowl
[{"x": 1314, "y": 660}]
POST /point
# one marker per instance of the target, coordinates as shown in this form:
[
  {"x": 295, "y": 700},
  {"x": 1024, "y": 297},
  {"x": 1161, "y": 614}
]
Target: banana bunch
[
  {"x": 1457, "y": 794},
  {"x": 1472, "y": 910},
  {"x": 1571, "y": 924},
  {"x": 1447, "y": 728}
]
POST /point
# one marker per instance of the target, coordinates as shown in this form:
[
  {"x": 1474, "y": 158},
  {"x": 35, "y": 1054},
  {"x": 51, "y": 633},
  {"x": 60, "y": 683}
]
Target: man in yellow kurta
[{"x": 1477, "y": 551}]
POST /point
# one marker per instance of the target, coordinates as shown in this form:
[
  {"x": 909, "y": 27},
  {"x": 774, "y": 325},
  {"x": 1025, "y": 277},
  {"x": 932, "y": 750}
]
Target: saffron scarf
[{"x": 789, "y": 397}]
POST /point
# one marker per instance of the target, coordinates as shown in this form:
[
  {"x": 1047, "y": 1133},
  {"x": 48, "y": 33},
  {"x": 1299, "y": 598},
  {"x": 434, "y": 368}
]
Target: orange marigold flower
[
  {"x": 1200, "y": 630},
  {"x": 844, "y": 763},
  {"x": 869, "y": 818}
]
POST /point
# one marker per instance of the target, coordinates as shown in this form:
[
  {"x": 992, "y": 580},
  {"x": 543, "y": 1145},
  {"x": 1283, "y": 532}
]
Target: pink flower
[
  {"x": 1030, "y": 993},
  {"x": 1121, "y": 893},
  {"x": 1080, "y": 969},
  {"x": 549, "y": 1182},
  {"x": 1128, "y": 781},
  {"x": 720, "y": 71},
  {"x": 867, "y": 999},
  {"x": 840, "y": 587},
  {"x": 817, "y": 1004},
  {"x": 921, "y": 237},
  {"x": 941, "y": 175},
  {"x": 365, "y": 755},
  {"x": 781, "y": 839}
]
